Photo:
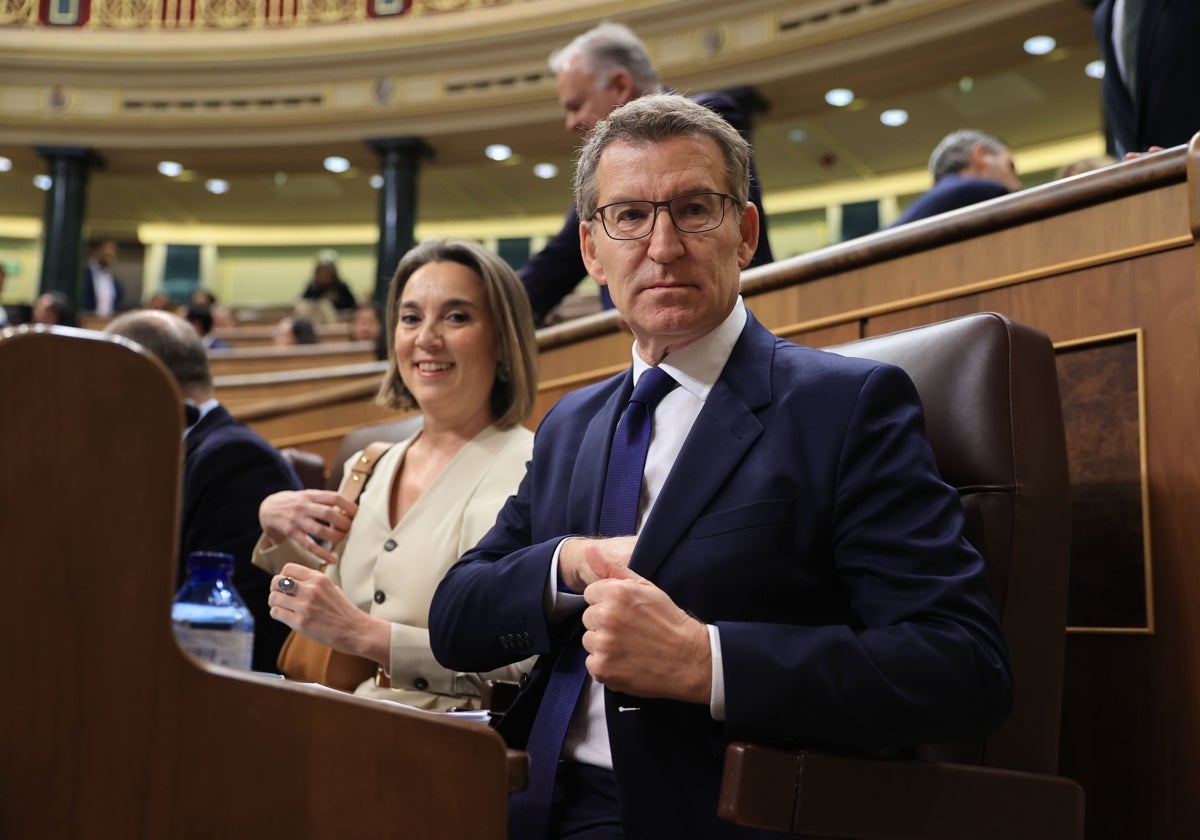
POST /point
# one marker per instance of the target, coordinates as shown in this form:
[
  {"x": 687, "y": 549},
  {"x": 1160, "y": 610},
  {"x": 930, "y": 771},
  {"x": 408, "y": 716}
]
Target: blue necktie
[{"x": 529, "y": 810}]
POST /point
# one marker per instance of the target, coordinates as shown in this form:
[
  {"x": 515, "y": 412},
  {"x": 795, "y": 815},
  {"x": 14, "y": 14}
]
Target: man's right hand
[{"x": 573, "y": 566}]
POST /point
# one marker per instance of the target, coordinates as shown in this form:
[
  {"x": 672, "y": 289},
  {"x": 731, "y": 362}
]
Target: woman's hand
[
  {"x": 318, "y": 609},
  {"x": 307, "y": 516}
]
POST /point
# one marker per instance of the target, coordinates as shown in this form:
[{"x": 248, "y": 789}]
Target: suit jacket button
[
  {"x": 420, "y": 683},
  {"x": 524, "y": 681},
  {"x": 379, "y": 596},
  {"x": 390, "y": 545},
  {"x": 526, "y": 639}
]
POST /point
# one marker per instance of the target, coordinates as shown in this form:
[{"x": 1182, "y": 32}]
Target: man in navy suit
[
  {"x": 797, "y": 573},
  {"x": 228, "y": 470},
  {"x": 602, "y": 69},
  {"x": 968, "y": 166},
  {"x": 103, "y": 293}
]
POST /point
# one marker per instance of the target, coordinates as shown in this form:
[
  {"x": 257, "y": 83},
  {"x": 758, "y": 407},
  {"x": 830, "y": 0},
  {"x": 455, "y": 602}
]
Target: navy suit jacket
[
  {"x": 228, "y": 470},
  {"x": 805, "y": 518},
  {"x": 1164, "y": 110},
  {"x": 89, "y": 292},
  {"x": 552, "y": 273},
  {"x": 951, "y": 192}
]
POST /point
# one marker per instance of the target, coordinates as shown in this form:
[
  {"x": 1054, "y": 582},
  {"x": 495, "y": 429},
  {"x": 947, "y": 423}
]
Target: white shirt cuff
[{"x": 716, "y": 703}]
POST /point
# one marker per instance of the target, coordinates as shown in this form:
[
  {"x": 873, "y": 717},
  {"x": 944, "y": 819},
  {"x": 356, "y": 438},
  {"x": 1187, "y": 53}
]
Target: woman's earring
[{"x": 502, "y": 374}]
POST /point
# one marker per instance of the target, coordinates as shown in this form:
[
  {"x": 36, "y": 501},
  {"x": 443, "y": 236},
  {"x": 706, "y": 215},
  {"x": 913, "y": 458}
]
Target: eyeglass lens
[{"x": 693, "y": 213}]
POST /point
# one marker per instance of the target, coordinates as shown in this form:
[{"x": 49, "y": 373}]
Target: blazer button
[
  {"x": 420, "y": 683},
  {"x": 379, "y": 596},
  {"x": 390, "y": 545},
  {"x": 524, "y": 681}
]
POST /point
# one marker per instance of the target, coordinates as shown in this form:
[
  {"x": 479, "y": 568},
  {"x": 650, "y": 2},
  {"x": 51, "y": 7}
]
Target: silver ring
[{"x": 286, "y": 585}]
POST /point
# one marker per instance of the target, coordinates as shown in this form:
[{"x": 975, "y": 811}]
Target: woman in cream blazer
[{"x": 359, "y": 578}]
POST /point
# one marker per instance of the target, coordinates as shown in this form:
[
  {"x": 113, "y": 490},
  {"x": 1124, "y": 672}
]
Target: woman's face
[
  {"x": 446, "y": 342},
  {"x": 365, "y": 326}
]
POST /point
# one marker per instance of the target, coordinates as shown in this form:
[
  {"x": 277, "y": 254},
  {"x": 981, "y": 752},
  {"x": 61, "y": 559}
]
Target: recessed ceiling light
[
  {"x": 376, "y": 180},
  {"x": 894, "y": 117},
  {"x": 1040, "y": 45},
  {"x": 545, "y": 170},
  {"x": 170, "y": 168},
  {"x": 966, "y": 84},
  {"x": 797, "y": 135},
  {"x": 42, "y": 182},
  {"x": 839, "y": 97},
  {"x": 498, "y": 151},
  {"x": 1095, "y": 69},
  {"x": 336, "y": 164},
  {"x": 217, "y": 186},
  {"x": 280, "y": 179},
  {"x": 5, "y": 164}
]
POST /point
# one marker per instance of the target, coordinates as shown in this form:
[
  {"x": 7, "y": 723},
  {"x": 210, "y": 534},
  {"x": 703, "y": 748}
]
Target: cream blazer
[{"x": 391, "y": 573}]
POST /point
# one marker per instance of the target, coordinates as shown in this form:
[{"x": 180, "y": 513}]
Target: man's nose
[{"x": 665, "y": 239}]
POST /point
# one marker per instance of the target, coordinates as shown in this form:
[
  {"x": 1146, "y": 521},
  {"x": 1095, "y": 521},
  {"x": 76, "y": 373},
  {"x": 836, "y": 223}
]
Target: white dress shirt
[
  {"x": 696, "y": 368},
  {"x": 106, "y": 290}
]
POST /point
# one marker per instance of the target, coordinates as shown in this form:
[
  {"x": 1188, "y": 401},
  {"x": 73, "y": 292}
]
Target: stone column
[
  {"x": 62, "y": 222},
  {"x": 399, "y": 162}
]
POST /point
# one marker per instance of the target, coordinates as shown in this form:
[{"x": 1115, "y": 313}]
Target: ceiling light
[
  {"x": 216, "y": 186},
  {"x": 1095, "y": 69},
  {"x": 42, "y": 182},
  {"x": 498, "y": 151},
  {"x": 376, "y": 180},
  {"x": 336, "y": 164},
  {"x": 1040, "y": 45},
  {"x": 5, "y": 164},
  {"x": 170, "y": 168},
  {"x": 280, "y": 179},
  {"x": 894, "y": 117},
  {"x": 966, "y": 84},
  {"x": 797, "y": 135},
  {"x": 545, "y": 170},
  {"x": 839, "y": 97}
]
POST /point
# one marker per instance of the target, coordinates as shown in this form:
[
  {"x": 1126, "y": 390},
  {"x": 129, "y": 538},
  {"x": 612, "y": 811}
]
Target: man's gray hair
[
  {"x": 953, "y": 154},
  {"x": 654, "y": 119},
  {"x": 172, "y": 339},
  {"x": 606, "y": 49}
]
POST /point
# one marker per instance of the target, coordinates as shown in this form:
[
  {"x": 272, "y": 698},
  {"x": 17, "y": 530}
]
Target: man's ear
[
  {"x": 622, "y": 82},
  {"x": 749, "y": 232},
  {"x": 587, "y": 248}
]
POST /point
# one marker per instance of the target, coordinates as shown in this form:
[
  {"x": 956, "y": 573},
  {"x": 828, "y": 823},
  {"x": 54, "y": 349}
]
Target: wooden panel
[
  {"x": 301, "y": 357},
  {"x": 239, "y": 391}
]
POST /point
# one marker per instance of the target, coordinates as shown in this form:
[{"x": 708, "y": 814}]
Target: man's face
[
  {"x": 106, "y": 254},
  {"x": 670, "y": 287},
  {"x": 998, "y": 167},
  {"x": 583, "y": 102}
]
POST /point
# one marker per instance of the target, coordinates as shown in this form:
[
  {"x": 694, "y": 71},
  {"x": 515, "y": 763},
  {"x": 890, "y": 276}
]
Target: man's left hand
[{"x": 639, "y": 641}]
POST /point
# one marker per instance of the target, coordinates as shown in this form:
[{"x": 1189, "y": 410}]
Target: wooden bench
[
  {"x": 252, "y": 359},
  {"x": 240, "y": 390}
]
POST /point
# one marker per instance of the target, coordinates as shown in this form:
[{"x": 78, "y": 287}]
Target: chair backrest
[
  {"x": 309, "y": 467},
  {"x": 390, "y": 430},
  {"x": 994, "y": 419}
]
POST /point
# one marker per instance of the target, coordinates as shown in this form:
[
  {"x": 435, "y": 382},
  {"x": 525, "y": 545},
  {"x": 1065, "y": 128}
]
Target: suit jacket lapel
[{"x": 726, "y": 428}]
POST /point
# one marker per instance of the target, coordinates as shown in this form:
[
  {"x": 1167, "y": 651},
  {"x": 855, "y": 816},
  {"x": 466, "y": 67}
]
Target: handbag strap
[{"x": 360, "y": 471}]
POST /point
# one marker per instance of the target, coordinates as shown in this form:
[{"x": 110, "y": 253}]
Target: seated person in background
[
  {"x": 203, "y": 297},
  {"x": 968, "y": 167},
  {"x": 228, "y": 469},
  {"x": 787, "y": 566},
  {"x": 290, "y": 331},
  {"x": 160, "y": 301},
  {"x": 463, "y": 352},
  {"x": 222, "y": 317},
  {"x": 327, "y": 285},
  {"x": 601, "y": 69},
  {"x": 201, "y": 319},
  {"x": 367, "y": 325},
  {"x": 53, "y": 308},
  {"x": 103, "y": 293}
]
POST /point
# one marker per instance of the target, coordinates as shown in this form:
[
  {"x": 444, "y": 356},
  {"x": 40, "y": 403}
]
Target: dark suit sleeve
[
  {"x": 917, "y": 655},
  {"x": 223, "y": 489},
  {"x": 555, "y": 271}
]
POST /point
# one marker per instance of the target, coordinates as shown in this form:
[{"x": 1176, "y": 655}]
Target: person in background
[
  {"x": 160, "y": 301},
  {"x": 228, "y": 469},
  {"x": 367, "y": 325},
  {"x": 968, "y": 166},
  {"x": 462, "y": 351},
  {"x": 223, "y": 317},
  {"x": 290, "y": 331},
  {"x": 783, "y": 563},
  {"x": 600, "y": 70},
  {"x": 326, "y": 284},
  {"x": 201, "y": 319},
  {"x": 203, "y": 297},
  {"x": 11, "y": 315},
  {"x": 54, "y": 309},
  {"x": 103, "y": 293}
]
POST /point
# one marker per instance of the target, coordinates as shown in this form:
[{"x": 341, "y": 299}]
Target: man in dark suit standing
[
  {"x": 600, "y": 70},
  {"x": 1151, "y": 71},
  {"x": 103, "y": 293},
  {"x": 228, "y": 470},
  {"x": 793, "y": 568}
]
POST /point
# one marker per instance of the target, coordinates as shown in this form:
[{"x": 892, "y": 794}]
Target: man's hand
[
  {"x": 573, "y": 566},
  {"x": 638, "y": 641}
]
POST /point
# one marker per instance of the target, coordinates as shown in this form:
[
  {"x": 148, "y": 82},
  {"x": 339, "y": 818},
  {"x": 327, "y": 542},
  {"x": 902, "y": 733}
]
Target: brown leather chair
[
  {"x": 990, "y": 391},
  {"x": 309, "y": 467},
  {"x": 390, "y": 430}
]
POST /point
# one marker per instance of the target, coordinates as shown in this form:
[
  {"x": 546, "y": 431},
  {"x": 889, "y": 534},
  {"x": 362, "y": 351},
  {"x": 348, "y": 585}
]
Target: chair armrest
[{"x": 810, "y": 793}]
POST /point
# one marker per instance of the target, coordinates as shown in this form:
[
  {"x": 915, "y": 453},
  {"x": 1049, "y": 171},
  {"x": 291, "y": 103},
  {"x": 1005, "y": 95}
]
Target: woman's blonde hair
[{"x": 515, "y": 385}]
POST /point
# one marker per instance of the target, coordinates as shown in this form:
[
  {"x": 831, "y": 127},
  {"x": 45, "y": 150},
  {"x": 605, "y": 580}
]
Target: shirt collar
[{"x": 698, "y": 365}]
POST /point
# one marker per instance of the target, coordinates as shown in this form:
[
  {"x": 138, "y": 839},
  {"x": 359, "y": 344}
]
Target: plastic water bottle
[{"x": 211, "y": 621}]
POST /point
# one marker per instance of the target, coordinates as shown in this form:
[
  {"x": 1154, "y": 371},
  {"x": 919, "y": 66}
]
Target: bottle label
[{"x": 223, "y": 646}]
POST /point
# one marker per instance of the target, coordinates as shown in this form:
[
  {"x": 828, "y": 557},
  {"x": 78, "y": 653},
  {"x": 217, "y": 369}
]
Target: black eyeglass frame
[{"x": 666, "y": 205}]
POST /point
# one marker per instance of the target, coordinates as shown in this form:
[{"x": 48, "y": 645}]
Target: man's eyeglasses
[{"x": 692, "y": 213}]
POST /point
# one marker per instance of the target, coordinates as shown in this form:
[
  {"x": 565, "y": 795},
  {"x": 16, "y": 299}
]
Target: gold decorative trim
[{"x": 1137, "y": 335}]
